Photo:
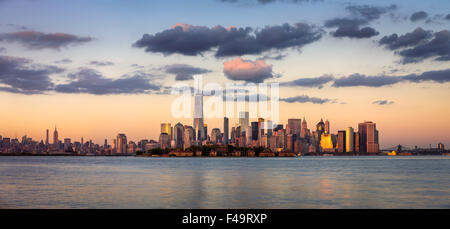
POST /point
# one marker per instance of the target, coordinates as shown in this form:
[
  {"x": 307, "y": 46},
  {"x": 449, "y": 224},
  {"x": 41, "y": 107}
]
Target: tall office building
[
  {"x": 215, "y": 135},
  {"x": 189, "y": 136},
  {"x": 349, "y": 139},
  {"x": 254, "y": 131},
  {"x": 248, "y": 134},
  {"x": 198, "y": 117},
  {"x": 260, "y": 128},
  {"x": 164, "y": 141},
  {"x": 304, "y": 130},
  {"x": 294, "y": 126},
  {"x": 368, "y": 137},
  {"x": 46, "y": 138},
  {"x": 341, "y": 141},
  {"x": 327, "y": 126},
  {"x": 55, "y": 137},
  {"x": 166, "y": 128},
  {"x": 243, "y": 120},
  {"x": 225, "y": 130},
  {"x": 121, "y": 144},
  {"x": 178, "y": 135}
]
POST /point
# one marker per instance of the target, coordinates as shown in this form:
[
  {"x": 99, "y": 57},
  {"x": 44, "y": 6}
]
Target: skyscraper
[
  {"x": 327, "y": 126},
  {"x": 166, "y": 128},
  {"x": 178, "y": 135},
  {"x": 225, "y": 130},
  {"x": 121, "y": 143},
  {"x": 341, "y": 141},
  {"x": 46, "y": 138},
  {"x": 55, "y": 137},
  {"x": 304, "y": 130},
  {"x": 198, "y": 117},
  {"x": 368, "y": 137},
  {"x": 254, "y": 131},
  {"x": 349, "y": 139},
  {"x": 294, "y": 126},
  {"x": 243, "y": 120}
]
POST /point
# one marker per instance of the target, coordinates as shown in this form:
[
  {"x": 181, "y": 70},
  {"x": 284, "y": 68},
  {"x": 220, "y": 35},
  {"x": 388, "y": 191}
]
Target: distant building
[
  {"x": 121, "y": 144},
  {"x": 166, "y": 128},
  {"x": 254, "y": 131},
  {"x": 55, "y": 137},
  {"x": 326, "y": 143},
  {"x": 441, "y": 147},
  {"x": 215, "y": 135},
  {"x": 243, "y": 120},
  {"x": 67, "y": 145},
  {"x": 164, "y": 141},
  {"x": 327, "y": 127},
  {"x": 368, "y": 137},
  {"x": 178, "y": 135},
  {"x": 189, "y": 136},
  {"x": 226, "y": 135},
  {"x": 294, "y": 126},
  {"x": 198, "y": 116},
  {"x": 349, "y": 139},
  {"x": 341, "y": 142}
]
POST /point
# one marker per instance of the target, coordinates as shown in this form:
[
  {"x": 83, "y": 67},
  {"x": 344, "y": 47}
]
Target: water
[{"x": 307, "y": 182}]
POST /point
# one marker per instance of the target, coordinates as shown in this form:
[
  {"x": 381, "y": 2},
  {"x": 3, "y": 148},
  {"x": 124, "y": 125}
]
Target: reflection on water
[{"x": 309, "y": 182}]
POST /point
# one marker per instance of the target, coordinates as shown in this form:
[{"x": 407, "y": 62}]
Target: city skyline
[{"x": 107, "y": 67}]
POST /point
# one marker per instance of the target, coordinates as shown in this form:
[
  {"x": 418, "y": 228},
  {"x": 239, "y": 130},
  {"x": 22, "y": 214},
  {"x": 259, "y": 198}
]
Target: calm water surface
[{"x": 307, "y": 182}]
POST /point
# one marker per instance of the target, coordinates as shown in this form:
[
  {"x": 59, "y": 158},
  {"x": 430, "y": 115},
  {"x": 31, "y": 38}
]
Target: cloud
[
  {"x": 101, "y": 63},
  {"x": 309, "y": 82},
  {"x": 447, "y": 17},
  {"x": 360, "y": 15},
  {"x": 394, "y": 41},
  {"x": 192, "y": 40},
  {"x": 420, "y": 45},
  {"x": 63, "y": 61},
  {"x": 363, "y": 80},
  {"x": 2, "y": 49},
  {"x": 184, "y": 71},
  {"x": 90, "y": 81},
  {"x": 263, "y": 2},
  {"x": 418, "y": 16},
  {"x": 305, "y": 99},
  {"x": 39, "y": 40},
  {"x": 383, "y": 102},
  {"x": 440, "y": 76},
  {"x": 247, "y": 70},
  {"x": 19, "y": 75}
]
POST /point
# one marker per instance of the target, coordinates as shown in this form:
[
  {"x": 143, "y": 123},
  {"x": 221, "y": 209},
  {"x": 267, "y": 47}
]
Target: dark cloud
[
  {"x": 63, "y": 61},
  {"x": 363, "y": 80},
  {"x": 447, "y": 17},
  {"x": 194, "y": 40},
  {"x": 383, "y": 102},
  {"x": 101, "y": 63},
  {"x": 394, "y": 41},
  {"x": 305, "y": 99},
  {"x": 438, "y": 47},
  {"x": 19, "y": 75},
  {"x": 309, "y": 82},
  {"x": 39, "y": 40},
  {"x": 361, "y": 15},
  {"x": 2, "y": 49},
  {"x": 184, "y": 71},
  {"x": 439, "y": 76},
  {"x": 418, "y": 16},
  {"x": 369, "y": 12},
  {"x": 90, "y": 81},
  {"x": 268, "y": 1},
  {"x": 247, "y": 70}
]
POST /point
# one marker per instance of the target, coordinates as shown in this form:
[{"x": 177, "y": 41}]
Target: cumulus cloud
[
  {"x": 383, "y": 102},
  {"x": 90, "y": 81},
  {"x": 418, "y": 16},
  {"x": 420, "y": 45},
  {"x": 305, "y": 99},
  {"x": 19, "y": 75},
  {"x": 39, "y": 40},
  {"x": 360, "y": 15},
  {"x": 183, "y": 71},
  {"x": 195, "y": 40},
  {"x": 247, "y": 70},
  {"x": 309, "y": 82},
  {"x": 394, "y": 41},
  {"x": 101, "y": 63}
]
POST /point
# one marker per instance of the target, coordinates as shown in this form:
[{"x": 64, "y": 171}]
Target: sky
[{"x": 96, "y": 68}]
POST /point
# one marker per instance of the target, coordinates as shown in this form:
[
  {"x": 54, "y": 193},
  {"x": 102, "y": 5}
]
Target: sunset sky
[{"x": 96, "y": 68}]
